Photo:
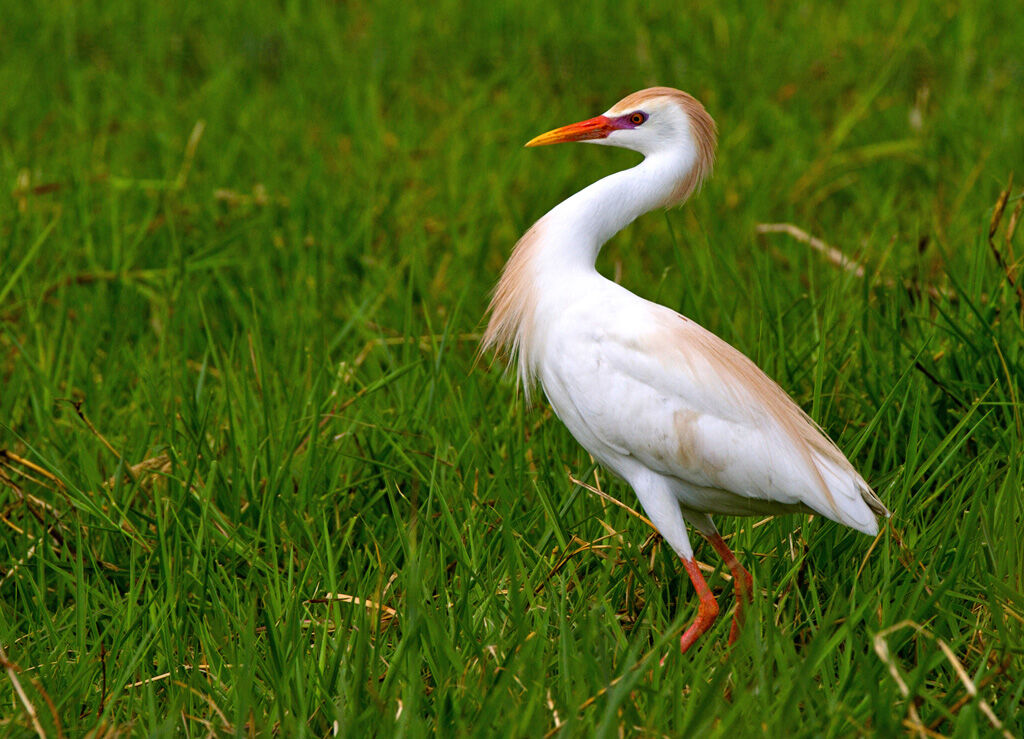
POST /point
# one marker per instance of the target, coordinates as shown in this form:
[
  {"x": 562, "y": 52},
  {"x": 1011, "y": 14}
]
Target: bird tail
[
  {"x": 850, "y": 501},
  {"x": 874, "y": 502}
]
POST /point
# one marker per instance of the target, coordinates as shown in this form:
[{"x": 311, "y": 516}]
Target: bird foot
[
  {"x": 707, "y": 612},
  {"x": 743, "y": 583}
]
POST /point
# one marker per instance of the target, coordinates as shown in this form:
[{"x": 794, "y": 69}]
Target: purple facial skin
[{"x": 630, "y": 120}]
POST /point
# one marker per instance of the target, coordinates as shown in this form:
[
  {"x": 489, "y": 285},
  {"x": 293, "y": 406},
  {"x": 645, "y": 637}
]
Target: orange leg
[
  {"x": 742, "y": 581},
  {"x": 707, "y": 612}
]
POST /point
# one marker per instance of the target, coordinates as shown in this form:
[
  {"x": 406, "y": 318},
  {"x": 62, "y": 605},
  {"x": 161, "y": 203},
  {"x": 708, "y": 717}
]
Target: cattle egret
[{"x": 688, "y": 421}]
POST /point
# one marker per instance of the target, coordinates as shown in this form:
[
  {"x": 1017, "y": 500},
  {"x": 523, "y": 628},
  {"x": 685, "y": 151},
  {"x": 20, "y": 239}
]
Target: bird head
[{"x": 658, "y": 120}]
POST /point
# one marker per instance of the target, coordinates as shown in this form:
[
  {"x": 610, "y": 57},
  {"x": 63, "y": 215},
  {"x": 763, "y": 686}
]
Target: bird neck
[
  {"x": 576, "y": 229},
  {"x": 554, "y": 261}
]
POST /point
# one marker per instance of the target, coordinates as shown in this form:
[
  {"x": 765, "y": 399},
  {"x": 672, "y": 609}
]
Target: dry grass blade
[
  {"x": 1000, "y": 670},
  {"x": 633, "y": 512},
  {"x": 109, "y": 731},
  {"x": 77, "y": 405},
  {"x": 610, "y": 499},
  {"x": 209, "y": 701},
  {"x": 387, "y": 613},
  {"x": 837, "y": 258},
  {"x": 997, "y": 211},
  {"x": 864, "y": 561},
  {"x": 32, "y": 504},
  {"x": 1011, "y": 226},
  {"x": 147, "y": 681},
  {"x": 553, "y": 708},
  {"x": 611, "y": 684},
  {"x": 203, "y": 668},
  {"x": 20, "y": 494},
  {"x": 832, "y": 254},
  {"x": 190, "y": 153},
  {"x": 972, "y": 689},
  {"x": 20, "y": 563},
  {"x": 591, "y": 700},
  {"x": 30, "y": 710},
  {"x": 161, "y": 463},
  {"x": 6, "y": 454},
  {"x": 584, "y": 546},
  {"x": 882, "y": 650},
  {"x": 260, "y": 197},
  {"x": 1009, "y": 270}
]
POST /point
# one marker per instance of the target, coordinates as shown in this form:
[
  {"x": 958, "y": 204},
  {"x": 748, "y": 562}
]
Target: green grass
[{"x": 244, "y": 256}]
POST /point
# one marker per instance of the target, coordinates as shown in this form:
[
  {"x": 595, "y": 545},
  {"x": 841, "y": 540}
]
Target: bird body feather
[{"x": 639, "y": 383}]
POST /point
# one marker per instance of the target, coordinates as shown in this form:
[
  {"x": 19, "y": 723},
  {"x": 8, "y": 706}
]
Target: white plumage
[{"x": 688, "y": 421}]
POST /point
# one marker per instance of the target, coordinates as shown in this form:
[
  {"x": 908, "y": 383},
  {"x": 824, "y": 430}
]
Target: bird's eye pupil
[{"x": 637, "y": 118}]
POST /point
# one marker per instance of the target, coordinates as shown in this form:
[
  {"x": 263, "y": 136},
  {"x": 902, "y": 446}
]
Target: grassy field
[{"x": 253, "y": 478}]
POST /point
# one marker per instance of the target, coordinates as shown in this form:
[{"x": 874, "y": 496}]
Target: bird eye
[{"x": 637, "y": 118}]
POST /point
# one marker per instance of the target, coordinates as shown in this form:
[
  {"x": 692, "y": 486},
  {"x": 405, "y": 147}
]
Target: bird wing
[{"x": 659, "y": 387}]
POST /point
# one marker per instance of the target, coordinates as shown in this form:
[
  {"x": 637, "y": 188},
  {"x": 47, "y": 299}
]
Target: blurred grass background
[{"x": 253, "y": 479}]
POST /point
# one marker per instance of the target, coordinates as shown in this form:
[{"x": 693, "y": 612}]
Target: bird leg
[
  {"x": 742, "y": 582},
  {"x": 707, "y": 612}
]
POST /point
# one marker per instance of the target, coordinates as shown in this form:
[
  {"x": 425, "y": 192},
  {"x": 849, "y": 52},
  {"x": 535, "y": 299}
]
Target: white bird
[{"x": 692, "y": 425}]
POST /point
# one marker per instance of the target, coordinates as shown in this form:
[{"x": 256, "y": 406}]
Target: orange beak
[{"x": 593, "y": 128}]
